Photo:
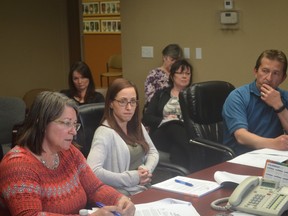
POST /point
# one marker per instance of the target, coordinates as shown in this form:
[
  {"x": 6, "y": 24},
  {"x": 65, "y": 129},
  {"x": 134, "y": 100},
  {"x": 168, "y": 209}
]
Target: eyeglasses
[
  {"x": 124, "y": 102},
  {"x": 183, "y": 72},
  {"x": 69, "y": 124}
]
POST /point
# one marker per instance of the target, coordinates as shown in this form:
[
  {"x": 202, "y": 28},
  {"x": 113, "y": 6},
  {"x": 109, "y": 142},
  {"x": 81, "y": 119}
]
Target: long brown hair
[
  {"x": 134, "y": 127},
  {"x": 82, "y": 68}
]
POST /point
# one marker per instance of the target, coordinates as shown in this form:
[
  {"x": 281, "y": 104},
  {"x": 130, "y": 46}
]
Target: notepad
[
  {"x": 199, "y": 188},
  {"x": 228, "y": 179}
]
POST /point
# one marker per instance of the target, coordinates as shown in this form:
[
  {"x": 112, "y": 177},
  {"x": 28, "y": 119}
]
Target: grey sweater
[{"x": 109, "y": 159}]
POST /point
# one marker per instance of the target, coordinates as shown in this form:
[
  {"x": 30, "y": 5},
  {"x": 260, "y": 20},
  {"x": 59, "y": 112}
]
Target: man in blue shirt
[{"x": 255, "y": 115}]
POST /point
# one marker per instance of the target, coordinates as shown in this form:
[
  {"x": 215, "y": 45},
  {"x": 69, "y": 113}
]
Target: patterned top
[
  {"x": 157, "y": 79},
  {"x": 172, "y": 108},
  {"x": 27, "y": 187}
]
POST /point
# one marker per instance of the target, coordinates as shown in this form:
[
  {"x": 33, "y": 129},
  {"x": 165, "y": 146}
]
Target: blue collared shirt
[{"x": 244, "y": 109}]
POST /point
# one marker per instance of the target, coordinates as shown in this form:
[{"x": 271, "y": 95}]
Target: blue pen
[
  {"x": 100, "y": 205},
  {"x": 183, "y": 182}
]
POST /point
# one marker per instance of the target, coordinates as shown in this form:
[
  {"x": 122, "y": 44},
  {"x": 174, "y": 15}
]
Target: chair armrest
[
  {"x": 174, "y": 168},
  {"x": 213, "y": 145}
]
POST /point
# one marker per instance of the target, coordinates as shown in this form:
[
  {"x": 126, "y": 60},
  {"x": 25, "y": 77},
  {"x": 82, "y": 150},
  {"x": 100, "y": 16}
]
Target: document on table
[
  {"x": 258, "y": 158},
  {"x": 229, "y": 179},
  {"x": 166, "y": 207},
  {"x": 188, "y": 186}
]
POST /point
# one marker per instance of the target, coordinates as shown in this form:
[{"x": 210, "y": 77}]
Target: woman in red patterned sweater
[{"x": 47, "y": 175}]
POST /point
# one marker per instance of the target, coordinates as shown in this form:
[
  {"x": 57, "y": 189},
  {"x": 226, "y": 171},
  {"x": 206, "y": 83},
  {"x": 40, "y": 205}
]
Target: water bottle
[{"x": 83, "y": 212}]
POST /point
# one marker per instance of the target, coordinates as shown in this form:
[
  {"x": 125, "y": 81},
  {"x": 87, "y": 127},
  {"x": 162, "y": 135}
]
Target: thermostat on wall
[{"x": 229, "y": 17}]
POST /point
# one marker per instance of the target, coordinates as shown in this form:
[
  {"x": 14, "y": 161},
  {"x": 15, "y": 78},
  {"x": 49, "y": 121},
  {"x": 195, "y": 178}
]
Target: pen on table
[
  {"x": 100, "y": 205},
  {"x": 183, "y": 182}
]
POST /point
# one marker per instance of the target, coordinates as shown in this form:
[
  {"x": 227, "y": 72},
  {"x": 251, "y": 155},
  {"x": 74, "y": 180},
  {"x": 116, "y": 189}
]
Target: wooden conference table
[{"x": 201, "y": 204}]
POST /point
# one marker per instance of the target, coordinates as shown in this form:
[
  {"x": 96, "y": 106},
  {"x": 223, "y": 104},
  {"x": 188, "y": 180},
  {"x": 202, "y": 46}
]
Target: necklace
[{"x": 55, "y": 162}]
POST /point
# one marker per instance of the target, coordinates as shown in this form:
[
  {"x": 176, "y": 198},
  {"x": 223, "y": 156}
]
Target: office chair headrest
[
  {"x": 205, "y": 100},
  {"x": 90, "y": 116}
]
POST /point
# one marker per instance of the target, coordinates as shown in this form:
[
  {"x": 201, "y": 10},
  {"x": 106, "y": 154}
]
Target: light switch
[
  {"x": 186, "y": 53},
  {"x": 147, "y": 52},
  {"x": 198, "y": 53},
  {"x": 228, "y": 4}
]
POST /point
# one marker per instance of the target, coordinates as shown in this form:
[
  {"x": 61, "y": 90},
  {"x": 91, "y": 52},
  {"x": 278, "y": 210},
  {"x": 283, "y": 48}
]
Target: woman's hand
[
  {"x": 127, "y": 207},
  {"x": 106, "y": 211},
  {"x": 171, "y": 116},
  {"x": 145, "y": 176},
  {"x": 124, "y": 207}
]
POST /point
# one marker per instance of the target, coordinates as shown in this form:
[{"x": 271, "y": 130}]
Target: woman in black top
[
  {"x": 164, "y": 119},
  {"x": 81, "y": 85}
]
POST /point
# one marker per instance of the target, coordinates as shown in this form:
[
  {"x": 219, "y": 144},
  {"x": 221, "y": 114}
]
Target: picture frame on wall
[
  {"x": 91, "y": 26},
  {"x": 101, "y": 17},
  {"x": 110, "y": 7},
  {"x": 90, "y": 8},
  {"x": 109, "y": 25}
]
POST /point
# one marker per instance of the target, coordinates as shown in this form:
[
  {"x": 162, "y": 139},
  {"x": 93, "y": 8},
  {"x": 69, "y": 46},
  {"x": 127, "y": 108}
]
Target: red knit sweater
[{"x": 29, "y": 188}]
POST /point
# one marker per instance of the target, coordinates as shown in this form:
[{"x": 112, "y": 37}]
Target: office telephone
[{"x": 258, "y": 196}]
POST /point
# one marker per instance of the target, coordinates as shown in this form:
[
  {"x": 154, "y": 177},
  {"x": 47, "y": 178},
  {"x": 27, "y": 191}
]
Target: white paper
[
  {"x": 222, "y": 176},
  {"x": 257, "y": 158},
  {"x": 199, "y": 188},
  {"x": 166, "y": 207},
  {"x": 237, "y": 213}
]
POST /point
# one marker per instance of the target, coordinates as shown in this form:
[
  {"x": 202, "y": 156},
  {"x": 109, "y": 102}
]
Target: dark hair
[
  {"x": 84, "y": 70},
  {"x": 47, "y": 107},
  {"x": 272, "y": 55},
  {"x": 182, "y": 64},
  {"x": 173, "y": 50},
  {"x": 134, "y": 127}
]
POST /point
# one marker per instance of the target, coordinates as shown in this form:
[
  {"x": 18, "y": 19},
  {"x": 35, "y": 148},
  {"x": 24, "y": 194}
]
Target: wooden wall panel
[{"x": 97, "y": 49}]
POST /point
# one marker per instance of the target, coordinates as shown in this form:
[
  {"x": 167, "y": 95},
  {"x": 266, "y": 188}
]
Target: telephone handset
[
  {"x": 240, "y": 192},
  {"x": 257, "y": 196}
]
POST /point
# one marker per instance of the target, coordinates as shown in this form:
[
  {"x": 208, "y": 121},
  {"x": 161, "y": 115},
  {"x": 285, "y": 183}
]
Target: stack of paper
[
  {"x": 188, "y": 186},
  {"x": 258, "y": 158},
  {"x": 166, "y": 207}
]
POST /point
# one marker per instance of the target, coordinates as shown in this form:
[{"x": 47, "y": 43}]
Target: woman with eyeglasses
[
  {"x": 158, "y": 78},
  {"x": 163, "y": 115},
  {"x": 122, "y": 154},
  {"x": 45, "y": 174}
]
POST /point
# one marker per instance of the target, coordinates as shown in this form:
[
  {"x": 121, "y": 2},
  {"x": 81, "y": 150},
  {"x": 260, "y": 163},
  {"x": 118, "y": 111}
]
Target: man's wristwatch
[{"x": 280, "y": 109}]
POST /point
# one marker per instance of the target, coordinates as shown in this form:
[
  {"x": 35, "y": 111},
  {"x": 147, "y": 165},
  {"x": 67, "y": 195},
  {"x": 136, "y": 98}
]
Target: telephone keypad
[{"x": 256, "y": 199}]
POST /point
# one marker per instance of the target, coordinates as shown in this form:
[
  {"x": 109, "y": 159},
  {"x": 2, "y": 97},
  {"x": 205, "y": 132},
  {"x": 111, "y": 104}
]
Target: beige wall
[
  {"x": 34, "y": 41},
  {"x": 34, "y": 46},
  {"x": 227, "y": 55}
]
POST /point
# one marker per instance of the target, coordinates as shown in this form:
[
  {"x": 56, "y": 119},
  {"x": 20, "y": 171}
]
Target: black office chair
[
  {"x": 167, "y": 170},
  {"x": 201, "y": 105},
  {"x": 89, "y": 116},
  {"x": 12, "y": 112}
]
